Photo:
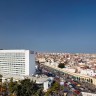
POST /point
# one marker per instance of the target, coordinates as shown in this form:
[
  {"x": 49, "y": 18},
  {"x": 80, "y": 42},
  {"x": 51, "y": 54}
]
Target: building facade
[{"x": 17, "y": 62}]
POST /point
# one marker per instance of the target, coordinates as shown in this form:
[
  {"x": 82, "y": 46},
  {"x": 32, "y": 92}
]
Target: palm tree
[
  {"x": 0, "y": 81},
  {"x": 26, "y": 88},
  {"x": 1, "y": 78}
]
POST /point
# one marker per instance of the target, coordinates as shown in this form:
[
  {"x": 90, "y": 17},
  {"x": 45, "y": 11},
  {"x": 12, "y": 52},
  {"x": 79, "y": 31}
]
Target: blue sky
[{"x": 48, "y": 25}]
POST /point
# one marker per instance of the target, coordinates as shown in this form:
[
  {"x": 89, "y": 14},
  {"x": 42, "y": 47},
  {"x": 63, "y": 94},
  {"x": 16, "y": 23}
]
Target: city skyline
[{"x": 48, "y": 25}]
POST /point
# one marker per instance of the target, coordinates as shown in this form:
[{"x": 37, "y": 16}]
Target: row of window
[
  {"x": 12, "y": 63},
  {"x": 7, "y": 60},
  {"x": 12, "y": 53},
  {"x": 21, "y": 70},
  {"x": 4, "y": 58}
]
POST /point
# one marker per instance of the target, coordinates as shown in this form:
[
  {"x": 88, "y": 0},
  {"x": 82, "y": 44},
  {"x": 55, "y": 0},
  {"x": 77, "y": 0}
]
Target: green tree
[
  {"x": 0, "y": 78},
  {"x": 26, "y": 88},
  {"x": 0, "y": 82},
  {"x": 61, "y": 65},
  {"x": 54, "y": 89},
  {"x": 12, "y": 86}
]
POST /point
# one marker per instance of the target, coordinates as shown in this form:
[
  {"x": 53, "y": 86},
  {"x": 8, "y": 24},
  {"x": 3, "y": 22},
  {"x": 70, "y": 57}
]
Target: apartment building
[{"x": 17, "y": 62}]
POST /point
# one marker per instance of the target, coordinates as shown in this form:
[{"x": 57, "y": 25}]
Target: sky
[{"x": 48, "y": 25}]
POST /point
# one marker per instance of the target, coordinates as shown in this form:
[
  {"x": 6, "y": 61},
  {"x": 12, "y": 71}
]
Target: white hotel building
[{"x": 17, "y": 62}]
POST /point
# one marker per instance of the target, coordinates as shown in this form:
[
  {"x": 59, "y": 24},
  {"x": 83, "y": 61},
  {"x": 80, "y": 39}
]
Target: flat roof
[{"x": 39, "y": 80}]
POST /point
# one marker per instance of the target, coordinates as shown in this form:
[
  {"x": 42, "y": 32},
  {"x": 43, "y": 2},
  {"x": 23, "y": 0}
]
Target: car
[{"x": 76, "y": 91}]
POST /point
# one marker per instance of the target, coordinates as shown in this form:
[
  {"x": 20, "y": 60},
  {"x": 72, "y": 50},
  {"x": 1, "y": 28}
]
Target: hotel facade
[{"x": 17, "y": 62}]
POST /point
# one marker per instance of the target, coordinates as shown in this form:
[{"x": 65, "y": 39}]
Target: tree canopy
[
  {"x": 61, "y": 65},
  {"x": 24, "y": 87}
]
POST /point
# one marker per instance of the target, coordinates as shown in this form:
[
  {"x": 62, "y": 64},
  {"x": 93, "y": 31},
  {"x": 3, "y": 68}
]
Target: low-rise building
[{"x": 88, "y": 72}]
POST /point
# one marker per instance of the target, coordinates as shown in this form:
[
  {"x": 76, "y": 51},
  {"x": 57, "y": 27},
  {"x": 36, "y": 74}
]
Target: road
[{"x": 52, "y": 72}]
